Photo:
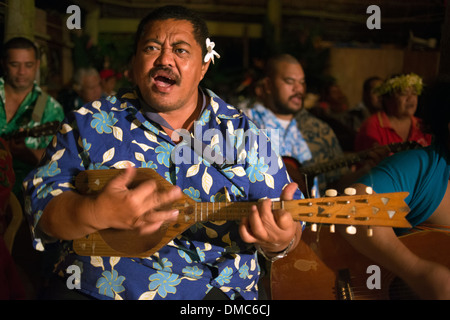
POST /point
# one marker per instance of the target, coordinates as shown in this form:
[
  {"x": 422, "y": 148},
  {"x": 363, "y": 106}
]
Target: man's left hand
[{"x": 271, "y": 230}]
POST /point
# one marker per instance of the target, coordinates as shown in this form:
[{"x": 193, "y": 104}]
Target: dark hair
[
  {"x": 272, "y": 63},
  {"x": 436, "y": 113},
  {"x": 177, "y": 13},
  {"x": 19, "y": 43},
  {"x": 367, "y": 85}
]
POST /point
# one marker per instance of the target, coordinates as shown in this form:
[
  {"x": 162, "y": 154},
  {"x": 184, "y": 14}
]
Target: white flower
[{"x": 211, "y": 53}]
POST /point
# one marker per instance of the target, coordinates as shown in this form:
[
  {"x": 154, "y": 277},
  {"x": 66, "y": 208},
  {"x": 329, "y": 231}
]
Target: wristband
[{"x": 279, "y": 255}]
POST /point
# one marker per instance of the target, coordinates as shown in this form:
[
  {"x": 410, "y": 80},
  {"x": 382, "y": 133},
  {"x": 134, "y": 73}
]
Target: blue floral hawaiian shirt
[
  {"x": 112, "y": 133},
  {"x": 323, "y": 144},
  {"x": 288, "y": 141}
]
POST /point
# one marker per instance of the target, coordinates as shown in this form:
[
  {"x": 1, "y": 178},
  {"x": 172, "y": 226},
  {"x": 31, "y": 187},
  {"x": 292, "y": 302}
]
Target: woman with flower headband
[
  {"x": 397, "y": 121},
  {"x": 425, "y": 174},
  {"x": 142, "y": 128}
]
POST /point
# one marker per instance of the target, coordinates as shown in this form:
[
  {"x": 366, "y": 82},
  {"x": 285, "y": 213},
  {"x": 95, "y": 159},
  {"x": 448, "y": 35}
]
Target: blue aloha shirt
[
  {"x": 288, "y": 142},
  {"x": 323, "y": 144},
  {"x": 111, "y": 133}
]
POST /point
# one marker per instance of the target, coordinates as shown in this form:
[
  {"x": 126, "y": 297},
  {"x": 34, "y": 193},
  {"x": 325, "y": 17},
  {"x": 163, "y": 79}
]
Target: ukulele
[
  {"x": 45, "y": 129},
  {"x": 324, "y": 266},
  {"x": 304, "y": 175},
  {"x": 372, "y": 210}
]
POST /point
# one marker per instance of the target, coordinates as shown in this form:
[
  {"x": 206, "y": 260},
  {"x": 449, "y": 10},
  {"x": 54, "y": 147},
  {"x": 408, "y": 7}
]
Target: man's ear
[{"x": 205, "y": 67}]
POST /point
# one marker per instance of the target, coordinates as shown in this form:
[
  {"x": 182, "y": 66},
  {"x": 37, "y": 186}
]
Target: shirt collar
[
  {"x": 385, "y": 123},
  {"x": 268, "y": 114}
]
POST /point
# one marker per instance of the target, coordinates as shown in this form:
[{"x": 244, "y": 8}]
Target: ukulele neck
[{"x": 377, "y": 209}]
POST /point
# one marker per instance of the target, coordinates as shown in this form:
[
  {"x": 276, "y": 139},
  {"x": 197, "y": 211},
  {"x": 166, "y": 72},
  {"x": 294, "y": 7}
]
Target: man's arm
[
  {"x": 428, "y": 279},
  {"x": 71, "y": 215}
]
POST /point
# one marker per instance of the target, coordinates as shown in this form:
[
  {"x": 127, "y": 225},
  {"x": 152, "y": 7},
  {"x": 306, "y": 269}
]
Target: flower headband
[
  {"x": 400, "y": 84},
  {"x": 211, "y": 53}
]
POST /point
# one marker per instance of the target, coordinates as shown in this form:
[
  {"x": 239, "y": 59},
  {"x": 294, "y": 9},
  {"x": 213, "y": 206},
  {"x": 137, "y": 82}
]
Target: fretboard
[
  {"x": 219, "y": 211},
  {"x": 377, "y": 209}
]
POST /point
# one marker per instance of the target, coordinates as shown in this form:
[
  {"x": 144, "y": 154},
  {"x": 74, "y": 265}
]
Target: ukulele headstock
[{"x": 384, "y": 209}]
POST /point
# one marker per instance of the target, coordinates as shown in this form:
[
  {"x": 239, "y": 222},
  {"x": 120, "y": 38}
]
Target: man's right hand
[
  {"x": 72, "y": 215},
  {"x": 120, "y": 207}
]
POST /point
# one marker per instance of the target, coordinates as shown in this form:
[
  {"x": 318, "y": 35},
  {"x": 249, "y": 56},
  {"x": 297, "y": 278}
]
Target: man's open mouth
[
  {"x": 162, "y": 81},
  {"x": 296, "y": 98},
  {"x": 163, "y": 78}
]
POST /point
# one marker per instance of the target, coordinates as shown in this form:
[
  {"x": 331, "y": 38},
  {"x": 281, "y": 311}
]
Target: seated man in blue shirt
[
  {"x": 425, "y": 174},
  {"x": 141, "y": 128}
]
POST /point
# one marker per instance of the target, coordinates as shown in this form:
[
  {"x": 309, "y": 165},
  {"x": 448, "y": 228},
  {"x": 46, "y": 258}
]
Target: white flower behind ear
[{"x": 211, "y": 53}]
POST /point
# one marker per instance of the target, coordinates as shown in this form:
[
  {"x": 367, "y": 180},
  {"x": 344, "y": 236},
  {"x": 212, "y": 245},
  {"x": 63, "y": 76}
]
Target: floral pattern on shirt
[
  {"x": 288, "y": 141},
  {"x": 324, "y": 146},
  {"x": 113, "y": 133},
  {"x": 22, "y": 119}
]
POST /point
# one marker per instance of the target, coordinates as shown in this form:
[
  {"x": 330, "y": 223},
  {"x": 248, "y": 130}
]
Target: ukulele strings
[
  {"x": 361, "y": 290},
  {"x": 433, "y": 227}
]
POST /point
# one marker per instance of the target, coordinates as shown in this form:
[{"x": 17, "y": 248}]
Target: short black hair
[
  {"x": 272, "y": 63},
  {"x": 175, "y": 12},
  {"x": 19, "y": 43}
]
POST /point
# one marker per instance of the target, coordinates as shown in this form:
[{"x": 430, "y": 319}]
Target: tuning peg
[
  {"x": 331, "y": 193},
  {"x": 369, "y": 232},
  {"x": 350, "y": 191},
  {"x": 350, "y": 230},
  {"x": 369, "y": 190},
  {"x": 314, "y": 227}
]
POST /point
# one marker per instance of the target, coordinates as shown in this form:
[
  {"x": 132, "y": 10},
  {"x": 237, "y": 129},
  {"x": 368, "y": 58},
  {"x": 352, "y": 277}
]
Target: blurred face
[
  {"x": 372, "y": 99},
  {"x": 168, "y": 65},
  {"x": 402, "y": 104},
  {"x": 286, "y": 88},
  {"x": 21, "y": 66},
  {"x": 91, "y": 88},
  {"x": 337, "y": 99}
]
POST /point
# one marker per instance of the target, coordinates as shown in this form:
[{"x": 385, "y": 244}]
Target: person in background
[
  {"x": 108, "y": 81},
  {"x": 333, "y": 108},
  {"x": 425, "y": 174},
  {"x": 370, "y": 103},
  {"x": 86, "y": 87},
  {"x": 24, "y": 105},
  {"x": 280, "y": 95},
  {"x": 333, "y": 100},
  {"x": 302, "y": 138},
  {"x": 396, "y": 122},
  {"x": 11, "y": 285}
]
